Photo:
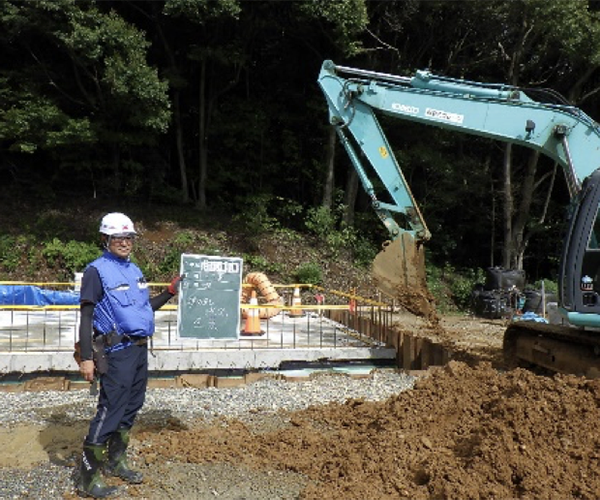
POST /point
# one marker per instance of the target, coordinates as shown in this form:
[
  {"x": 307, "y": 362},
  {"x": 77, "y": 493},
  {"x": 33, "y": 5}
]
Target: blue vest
[{"x": 125, "y": 307}]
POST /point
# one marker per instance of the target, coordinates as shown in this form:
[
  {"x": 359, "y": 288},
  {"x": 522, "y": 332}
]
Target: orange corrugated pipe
[{"x": 266, "y": 290}]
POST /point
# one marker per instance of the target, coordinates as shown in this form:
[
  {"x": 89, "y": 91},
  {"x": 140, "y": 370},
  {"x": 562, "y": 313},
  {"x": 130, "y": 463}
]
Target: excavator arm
[{"x": 505, "y": 113}]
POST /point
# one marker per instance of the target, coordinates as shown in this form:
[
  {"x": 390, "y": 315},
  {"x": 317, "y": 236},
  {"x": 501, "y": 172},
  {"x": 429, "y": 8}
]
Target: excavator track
[{"x": 557, "y": 348}]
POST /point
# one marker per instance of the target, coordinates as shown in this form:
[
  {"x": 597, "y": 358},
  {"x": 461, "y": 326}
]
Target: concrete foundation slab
[{"x": 42, "y": 341}]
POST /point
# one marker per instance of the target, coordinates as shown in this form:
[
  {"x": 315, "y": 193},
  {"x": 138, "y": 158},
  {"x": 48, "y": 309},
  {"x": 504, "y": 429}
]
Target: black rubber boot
[
  {"x": 117, "y": 458},
  {"x": 91, "y": 482}
]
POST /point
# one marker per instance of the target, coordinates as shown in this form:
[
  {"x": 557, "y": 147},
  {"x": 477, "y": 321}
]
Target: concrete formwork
[
  {"x": 42, "y": 341},
  {"x": 34, "y": 340}
]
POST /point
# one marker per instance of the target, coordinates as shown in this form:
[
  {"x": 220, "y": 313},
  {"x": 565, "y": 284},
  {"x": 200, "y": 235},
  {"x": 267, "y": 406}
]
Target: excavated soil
[
  {"x": 467, "y": 431},
  {"x": 462, "y": 433},
  {"x": 467, "y": 338}
]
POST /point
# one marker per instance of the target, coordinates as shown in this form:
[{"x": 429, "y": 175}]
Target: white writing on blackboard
[
  {"x": 201, "y": 301},
  {"x": 216, "y": 266}
]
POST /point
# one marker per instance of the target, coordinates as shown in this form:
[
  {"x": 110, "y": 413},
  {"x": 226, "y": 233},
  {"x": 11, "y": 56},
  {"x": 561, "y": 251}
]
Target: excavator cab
[
  {"x": 573, "y": 347},
  {"x": 579, "y": 291}
]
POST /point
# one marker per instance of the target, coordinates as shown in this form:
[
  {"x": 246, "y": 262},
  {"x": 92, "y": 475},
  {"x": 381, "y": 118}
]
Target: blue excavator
[{"x": 504, "y": 113}]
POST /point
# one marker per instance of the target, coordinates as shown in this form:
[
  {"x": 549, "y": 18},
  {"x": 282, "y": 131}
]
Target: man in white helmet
[{"x": 117, "y": 319}]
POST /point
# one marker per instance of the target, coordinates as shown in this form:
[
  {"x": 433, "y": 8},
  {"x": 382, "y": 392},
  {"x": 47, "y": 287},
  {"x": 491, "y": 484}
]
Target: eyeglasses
[{"x": 121, "y": 239}]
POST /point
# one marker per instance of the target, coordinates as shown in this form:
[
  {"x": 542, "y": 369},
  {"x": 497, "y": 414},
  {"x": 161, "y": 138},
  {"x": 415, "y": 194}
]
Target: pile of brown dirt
[{"x": 462, "y": 433}]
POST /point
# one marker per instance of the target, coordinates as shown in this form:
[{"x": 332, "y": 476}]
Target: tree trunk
[
  {"x": 507, "y": 251},
  {"x": 487, "y": 169},
  {"x": 329, "y": 172},
  {"x": 522, "y": 216},
  {"x": 206, "y": 104},
  {"x": 116, "y": 161},
  {"x": 350, "y": 197},
  {"x": 157, "y": 17},
  {"x": 202, "y": 139},
  {"x": 180, "y": 150},
  {"x": 509, "y": 254}
]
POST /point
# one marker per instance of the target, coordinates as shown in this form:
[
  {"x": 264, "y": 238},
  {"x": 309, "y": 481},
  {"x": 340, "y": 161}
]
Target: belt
[
  {"x": 112, "y": 339},
  {"x": 135, "y": 340}
]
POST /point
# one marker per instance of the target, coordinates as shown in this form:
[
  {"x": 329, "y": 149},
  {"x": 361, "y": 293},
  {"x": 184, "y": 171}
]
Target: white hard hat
[{"x": 116, "y": 223}]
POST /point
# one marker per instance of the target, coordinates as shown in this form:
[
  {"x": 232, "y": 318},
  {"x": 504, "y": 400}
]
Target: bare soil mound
[{"x": 463, "y": 433}]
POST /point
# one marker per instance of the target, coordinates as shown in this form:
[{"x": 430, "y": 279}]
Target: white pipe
[{"x": 543, "y": 299}]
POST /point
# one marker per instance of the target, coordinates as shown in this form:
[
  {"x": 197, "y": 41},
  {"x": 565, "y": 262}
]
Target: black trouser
[{"x": 122, "y": 392}]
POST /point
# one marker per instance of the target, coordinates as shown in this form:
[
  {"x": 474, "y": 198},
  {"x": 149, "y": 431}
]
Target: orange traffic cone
[
  {"x": 296, "y": 303},
  {"x": 352, "y": 303},
  {"x": 252, "y": 326},
  {"x": 352, "y": 306},
  {"x": 320, "y": 298}
]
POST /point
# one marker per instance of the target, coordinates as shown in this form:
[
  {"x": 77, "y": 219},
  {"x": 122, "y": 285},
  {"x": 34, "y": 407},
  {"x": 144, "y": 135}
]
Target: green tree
[{"x": 77, "y": 87}]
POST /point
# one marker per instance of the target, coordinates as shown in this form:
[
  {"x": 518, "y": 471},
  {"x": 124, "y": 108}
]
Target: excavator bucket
[{"x": 399, "y": 272}]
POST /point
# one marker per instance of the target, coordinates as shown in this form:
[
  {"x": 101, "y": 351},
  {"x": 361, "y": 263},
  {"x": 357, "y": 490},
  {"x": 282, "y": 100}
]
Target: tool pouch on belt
[
  {"x": 77, "y": 353},
  {"x": 99, "y": 355}
]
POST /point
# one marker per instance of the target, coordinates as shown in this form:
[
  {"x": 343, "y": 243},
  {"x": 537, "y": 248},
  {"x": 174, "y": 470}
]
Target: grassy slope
[{"x": 166, "y": 232}]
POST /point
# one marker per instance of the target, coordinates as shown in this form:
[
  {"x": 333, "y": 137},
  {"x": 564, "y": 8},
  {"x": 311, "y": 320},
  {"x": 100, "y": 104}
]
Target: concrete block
[
  {"x": 199, "y": 381},
  {"x": 162, "y": 383},
  {"x": 39, "y": 384},
  {"x": 12, "y": 387},
  {"x": 228, "y": 382}
]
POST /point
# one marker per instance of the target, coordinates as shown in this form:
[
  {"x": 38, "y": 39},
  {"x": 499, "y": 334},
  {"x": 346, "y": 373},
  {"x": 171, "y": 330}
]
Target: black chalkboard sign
[{"x": 209, "y": 297}]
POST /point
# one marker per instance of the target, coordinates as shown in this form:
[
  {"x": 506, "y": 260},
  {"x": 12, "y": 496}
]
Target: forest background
[{"x": 193, "y": 114}]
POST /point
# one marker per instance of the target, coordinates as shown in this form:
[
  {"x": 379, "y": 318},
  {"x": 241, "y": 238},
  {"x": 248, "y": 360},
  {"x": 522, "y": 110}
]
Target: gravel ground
[{"x": 259, "y": 404}]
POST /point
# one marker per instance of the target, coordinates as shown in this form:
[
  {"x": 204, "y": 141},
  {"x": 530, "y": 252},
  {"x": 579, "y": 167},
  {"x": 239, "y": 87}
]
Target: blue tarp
[
  {"x": 28, "y": 295},
  {"x": 531, "y": 316}
]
